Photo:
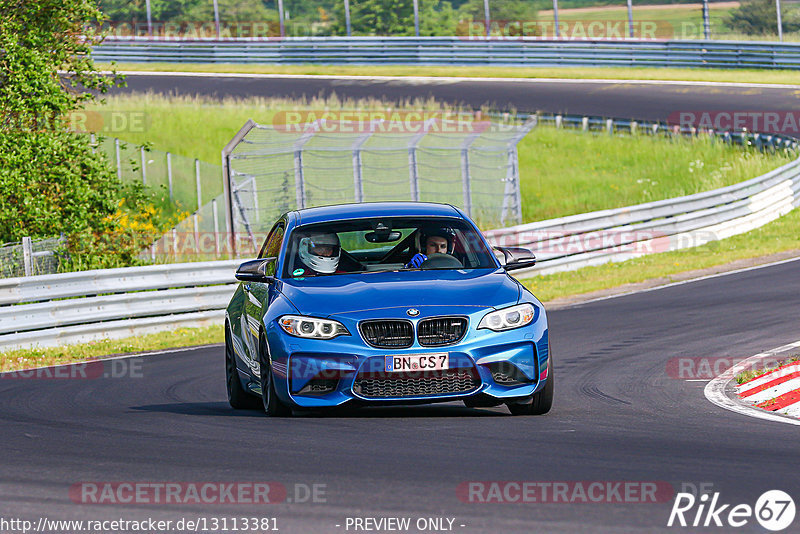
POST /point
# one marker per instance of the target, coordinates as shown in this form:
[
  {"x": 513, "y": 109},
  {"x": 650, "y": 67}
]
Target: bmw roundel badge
[{"x": 413, "y": 312}]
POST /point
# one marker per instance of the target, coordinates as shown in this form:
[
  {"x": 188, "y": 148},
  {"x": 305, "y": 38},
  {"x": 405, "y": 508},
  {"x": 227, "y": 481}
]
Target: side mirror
[
  {"x": 256, "y": 271},
  {"x": 517, "y": 258}
]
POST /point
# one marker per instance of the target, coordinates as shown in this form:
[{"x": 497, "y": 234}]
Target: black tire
[
  {"x": 238, "y": 398},
  {"x": 273, "y": 406},
  {"x": 540, "y": 403}
]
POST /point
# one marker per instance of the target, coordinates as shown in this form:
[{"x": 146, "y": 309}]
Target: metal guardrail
[
  {"x": 461, "y": 51},
  {"x": 112, "y": 303},
  {"x": 78, "y": 307}
]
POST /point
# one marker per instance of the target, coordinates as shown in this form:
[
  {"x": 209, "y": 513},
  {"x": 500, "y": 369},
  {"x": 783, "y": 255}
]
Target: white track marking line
[
  {"x": 683, "y": 282},
  {"x": 455, "y": 79},
  {"x": 715, "y": 390},
  {"x": 769, "y": 377},
  {"x": 120, "y": 357},
  {"x": 774, "y": 391}
]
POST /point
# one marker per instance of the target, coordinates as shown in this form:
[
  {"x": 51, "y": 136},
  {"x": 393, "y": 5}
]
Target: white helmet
[{"x": 321, "y": 252}]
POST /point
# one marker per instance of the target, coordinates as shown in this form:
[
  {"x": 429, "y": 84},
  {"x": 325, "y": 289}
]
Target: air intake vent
[
  {"x": 441, "y": 331},
  {"x": 388, "y": 334},
  {"x": 379, "y": 385}
]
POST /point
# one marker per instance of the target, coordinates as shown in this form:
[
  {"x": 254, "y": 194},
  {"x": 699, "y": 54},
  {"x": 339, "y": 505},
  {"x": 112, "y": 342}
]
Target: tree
[
  {"x": 395, "y": 17},
  {"x": 51, "y": 182},
  {"x": 759, "y": 17},
  {"x": 502, "y": 10}
]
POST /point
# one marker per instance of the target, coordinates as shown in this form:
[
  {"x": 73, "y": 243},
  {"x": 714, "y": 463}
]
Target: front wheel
[
  {"x": 238, "y": 398},
  {"x": 540, "y": 403},
  {"x": 273, "y": 406}
]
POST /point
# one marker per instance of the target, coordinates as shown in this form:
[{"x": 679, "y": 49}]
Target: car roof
[{"x": 374, "y": 209}]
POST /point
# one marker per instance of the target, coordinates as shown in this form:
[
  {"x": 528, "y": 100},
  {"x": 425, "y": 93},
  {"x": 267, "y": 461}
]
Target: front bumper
[{"x": 324, "y": 373}]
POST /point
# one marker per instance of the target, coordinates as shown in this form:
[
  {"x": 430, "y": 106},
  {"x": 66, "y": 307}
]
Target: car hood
[{"x": 346, "y": 293}]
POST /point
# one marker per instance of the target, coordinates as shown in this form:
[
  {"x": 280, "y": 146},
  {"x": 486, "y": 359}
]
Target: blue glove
[{"x": 416, "y": 261}]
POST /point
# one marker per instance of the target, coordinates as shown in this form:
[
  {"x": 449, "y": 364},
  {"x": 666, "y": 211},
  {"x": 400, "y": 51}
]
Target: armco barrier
[
  {"x": 112, "y": 303},
  {"x": 462, "y": 51},
  {"x": 116, "y": 303}
]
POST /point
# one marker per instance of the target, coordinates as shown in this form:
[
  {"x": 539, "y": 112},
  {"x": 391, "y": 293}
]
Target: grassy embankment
[{"x": 600, "y": 171}]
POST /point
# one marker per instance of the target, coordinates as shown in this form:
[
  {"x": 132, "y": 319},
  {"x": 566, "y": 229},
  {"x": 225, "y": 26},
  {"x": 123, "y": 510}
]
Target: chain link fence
[
  {"x": 31, "y": 257},
  {"x": 472, "y": 164},
  {"x": 187, "y": 183}
]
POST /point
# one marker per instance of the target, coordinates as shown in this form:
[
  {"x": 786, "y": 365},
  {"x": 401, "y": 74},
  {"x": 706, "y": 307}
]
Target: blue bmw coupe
[{"x": 385, "y": 303}]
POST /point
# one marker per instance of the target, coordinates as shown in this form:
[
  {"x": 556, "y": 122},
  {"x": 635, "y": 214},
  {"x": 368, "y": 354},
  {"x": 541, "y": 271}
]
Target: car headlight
[
  {"x": 311, "y": 327},
  {"x": 508, "y": 318}
]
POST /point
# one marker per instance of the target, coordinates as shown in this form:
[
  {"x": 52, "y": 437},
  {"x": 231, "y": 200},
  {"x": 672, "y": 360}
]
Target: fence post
[
  {"x": 585, "y": 124},
  {"x": 144, "y": 165},
  {"x": 216, "y": 225},
  {"x": 197, "y": 183},
  {"x": 92, "y": 140},
  {"x": 255, "y": 198},
  {"x": 413, "y": 172},
  {"x": 559, "y": 121},
  {"x": 169, "y": 175},
  {"x": 610, "y": 126},
  {"x": 27, "y": 255},
  {"x": 280, "y": 17},
  {"x": 299, "y": 179},
  {"x": 196, "y": 224},
  {"x": 119, "y": 161},
  {"x": 466, "y": 178},
  {"x": 347, "y": 17}
]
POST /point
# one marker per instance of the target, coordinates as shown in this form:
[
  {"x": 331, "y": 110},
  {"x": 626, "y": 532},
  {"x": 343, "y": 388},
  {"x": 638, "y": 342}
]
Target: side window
[{"x": 272, "y": 245}]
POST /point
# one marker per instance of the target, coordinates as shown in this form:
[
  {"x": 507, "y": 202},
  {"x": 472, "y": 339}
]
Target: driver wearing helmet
[
  {"x": 320, "y": 252},
  {"x": 434, "y": 241}
]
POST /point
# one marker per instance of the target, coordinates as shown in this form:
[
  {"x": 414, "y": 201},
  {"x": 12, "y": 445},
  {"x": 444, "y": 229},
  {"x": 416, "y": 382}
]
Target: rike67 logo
[{"x": 774, "y": 510}]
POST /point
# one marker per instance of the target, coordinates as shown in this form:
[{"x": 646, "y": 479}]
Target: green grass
[
  {"x": 599, "y": 171},
  {"x": 41, "y": 357},
  {"x": 746, "y": 376},
  {"x": 769, "y": 76},
  {"x": 567, "y": 172},
  {"x": 777, "y": 236},
  {"x": 665, "y": 22}
]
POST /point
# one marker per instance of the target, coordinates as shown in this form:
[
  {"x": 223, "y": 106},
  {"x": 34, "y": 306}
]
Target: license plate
[{"x": 417, "y": 362}]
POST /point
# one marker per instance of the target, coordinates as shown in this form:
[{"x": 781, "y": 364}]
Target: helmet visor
[{"x": 324, "y": 250}]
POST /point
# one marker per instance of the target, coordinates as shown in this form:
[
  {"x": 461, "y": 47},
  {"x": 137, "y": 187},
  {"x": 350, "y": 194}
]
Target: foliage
[
  {"x": 51, "y": 181},
  {"x": 395, "y": 17},
  {"x": 505, "y": 10},
  {"x": 759, "y": 17}
]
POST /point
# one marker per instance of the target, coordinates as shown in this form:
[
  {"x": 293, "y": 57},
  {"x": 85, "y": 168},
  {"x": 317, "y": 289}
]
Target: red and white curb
[
  {"x": 775, "y": 391},
  {"x": 774, "y": 396}
]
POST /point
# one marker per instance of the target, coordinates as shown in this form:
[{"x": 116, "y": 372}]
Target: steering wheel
[{"x": 441, "y": 261}]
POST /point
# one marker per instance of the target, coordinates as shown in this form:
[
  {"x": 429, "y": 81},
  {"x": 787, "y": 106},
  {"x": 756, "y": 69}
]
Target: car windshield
[{"x": 385, "y": 244}]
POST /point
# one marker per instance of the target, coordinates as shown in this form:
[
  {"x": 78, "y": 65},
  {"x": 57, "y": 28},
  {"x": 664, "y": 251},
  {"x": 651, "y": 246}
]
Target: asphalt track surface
[
  {"x": 613, "y": 99},
  {"x": 618, "y": 416}
]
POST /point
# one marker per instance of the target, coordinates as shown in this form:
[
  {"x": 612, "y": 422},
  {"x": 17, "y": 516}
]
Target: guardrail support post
[
  {"x": 585, "y": 124},
  {"x": 27, "y": 255},
  {"x": 610, "y": 126},
  {"x": 559, "y": 121}
]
